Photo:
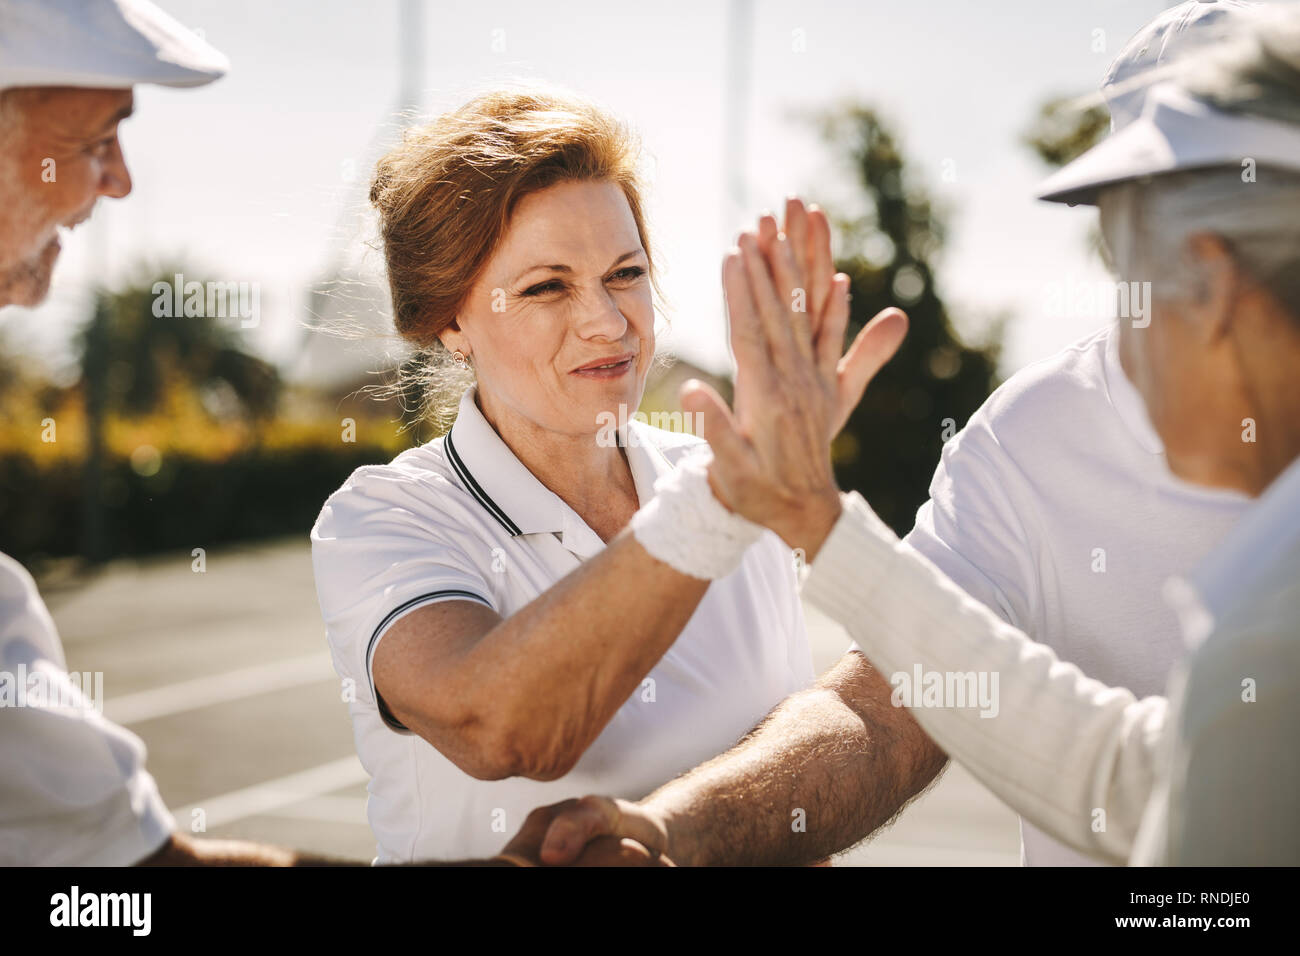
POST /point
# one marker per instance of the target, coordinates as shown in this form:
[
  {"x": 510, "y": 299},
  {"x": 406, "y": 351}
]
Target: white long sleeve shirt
[
  {"x": 1083, "y": 761},
  {"x": 1055, "y": 508}
]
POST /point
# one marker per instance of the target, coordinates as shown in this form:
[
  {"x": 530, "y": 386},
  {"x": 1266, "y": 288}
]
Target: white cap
[
  {"x": 1157, "y": 126},
  {"x": 100, "y": 43},
  {"x": 1174, "y": 33},
  {"x": 1176, "y": 131}
]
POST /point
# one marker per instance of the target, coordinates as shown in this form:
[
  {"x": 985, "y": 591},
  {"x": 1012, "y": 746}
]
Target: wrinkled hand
[
  {"x": 793, "y": 389},
  {"x": 582, "y": 839},
  {"x": 808, "y": 231}
]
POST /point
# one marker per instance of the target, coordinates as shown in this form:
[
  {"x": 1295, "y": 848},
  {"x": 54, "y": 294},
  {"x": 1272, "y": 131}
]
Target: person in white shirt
[
  {"x": 1054, "y": 506},
  {"x": 1055, "y": 509},
  {"x": 74, "y": 790},
  {"x": 1206, "y": 776},
  {"x": 508, "y": 647},
  {"x": 73, "y": 787}
]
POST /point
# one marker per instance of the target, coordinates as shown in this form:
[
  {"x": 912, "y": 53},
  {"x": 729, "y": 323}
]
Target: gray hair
[{"x": 1145, "y": 226}]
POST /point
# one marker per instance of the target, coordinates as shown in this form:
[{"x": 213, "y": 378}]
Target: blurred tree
[
  {"x": 131, "y": 356},
  {"x": 95, "y": 357},
  {"x": 140, "y": 354},
  {"x": 890, "y": 447},
  {"x": 1063, "y": 130}
]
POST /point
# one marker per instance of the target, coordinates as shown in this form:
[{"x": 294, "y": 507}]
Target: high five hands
[
  {"x": 795, "y": 388},
  {"x": 788, "y": 312}
]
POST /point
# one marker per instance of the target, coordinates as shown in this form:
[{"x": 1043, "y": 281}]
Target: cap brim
[
  {"x": 1175, "y": 132},
  {"x": 103, "y": 45}
]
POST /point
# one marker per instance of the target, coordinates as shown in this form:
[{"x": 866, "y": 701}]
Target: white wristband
[{"x": 687, "y": 528}]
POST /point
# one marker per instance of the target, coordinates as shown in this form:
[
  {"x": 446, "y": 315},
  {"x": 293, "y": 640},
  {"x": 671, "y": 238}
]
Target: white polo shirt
[
  {"x": 1055, "y": 508},
  {"x": 461, "y": 518},
  {"x": 73, "y": 787}
]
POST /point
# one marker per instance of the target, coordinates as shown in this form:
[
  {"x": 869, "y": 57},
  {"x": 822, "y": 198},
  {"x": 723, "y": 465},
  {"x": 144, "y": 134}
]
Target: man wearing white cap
[
  {"x": 1054, "y": 506},
  {"x": 73, "y": 786},
  {"x": 1062, "y": 461},
  {"x": 66, "y": 72}
]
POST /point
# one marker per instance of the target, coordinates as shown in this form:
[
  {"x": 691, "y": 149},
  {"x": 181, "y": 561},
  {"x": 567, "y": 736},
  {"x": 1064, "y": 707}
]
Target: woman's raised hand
[
  {"x": 788, "y": 312},
  {"x": 809, "y": 233}
]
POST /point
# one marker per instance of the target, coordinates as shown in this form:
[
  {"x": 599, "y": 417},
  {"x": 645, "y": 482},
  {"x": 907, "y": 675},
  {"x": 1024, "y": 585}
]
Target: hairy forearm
[{"x": 823, "y": 771}]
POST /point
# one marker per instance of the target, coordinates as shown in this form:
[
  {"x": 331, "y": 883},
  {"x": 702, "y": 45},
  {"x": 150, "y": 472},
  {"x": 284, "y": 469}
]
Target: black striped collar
[
  {"x": 489, "y": 471},
  {"x": 487, "y": 468},
  {"x": 474, "y": 488}
]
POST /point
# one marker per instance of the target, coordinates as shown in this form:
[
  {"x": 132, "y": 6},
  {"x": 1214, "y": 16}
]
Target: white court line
[
  {"x": 326, "y": 809},
  {"x": 218, "y": 688},
  {"x": 275, "y": 794}
]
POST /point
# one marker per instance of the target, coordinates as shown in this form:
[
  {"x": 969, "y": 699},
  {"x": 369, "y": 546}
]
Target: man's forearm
[{"x": 824, "y": 770}]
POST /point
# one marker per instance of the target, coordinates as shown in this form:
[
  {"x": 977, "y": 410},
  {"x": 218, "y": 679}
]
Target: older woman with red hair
[{"x": 508, "y": 641}]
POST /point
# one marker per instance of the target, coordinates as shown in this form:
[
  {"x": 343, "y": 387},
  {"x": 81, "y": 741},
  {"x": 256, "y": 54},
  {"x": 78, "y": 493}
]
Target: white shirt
[
  {"x": 73, "y": 788},
  {"x": 1054, "y": 507},
  {"x": 461, "y": 518},
  {"x": 1084, "y": 762},
  {"x": 1229, "y": 790}
]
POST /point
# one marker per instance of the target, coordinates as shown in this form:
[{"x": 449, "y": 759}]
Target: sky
[{"x": 261, "y": 177}]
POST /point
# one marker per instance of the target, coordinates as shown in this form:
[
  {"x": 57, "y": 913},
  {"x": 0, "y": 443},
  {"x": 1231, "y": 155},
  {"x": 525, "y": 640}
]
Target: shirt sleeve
[
  {"x": 1235, "y": 766},
  {"x": 382, "y": 547},
  {"x": 73, "y": 787},
  {"x": 1076, "y": 758}
]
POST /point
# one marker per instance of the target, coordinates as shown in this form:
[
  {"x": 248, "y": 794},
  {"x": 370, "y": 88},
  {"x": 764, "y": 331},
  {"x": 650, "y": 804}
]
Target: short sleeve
[
  {"x": 384, "y": 545},
  {"x": 73, "y": 787},
  {"x": 970, "y": 527}
]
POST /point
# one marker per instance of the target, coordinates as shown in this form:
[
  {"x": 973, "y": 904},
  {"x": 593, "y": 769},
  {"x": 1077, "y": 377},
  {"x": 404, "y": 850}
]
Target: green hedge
[{"x": 189, "y": 503}]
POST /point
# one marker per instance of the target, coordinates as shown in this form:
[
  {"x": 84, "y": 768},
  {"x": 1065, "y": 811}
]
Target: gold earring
[{"x": 458, "y": 357}]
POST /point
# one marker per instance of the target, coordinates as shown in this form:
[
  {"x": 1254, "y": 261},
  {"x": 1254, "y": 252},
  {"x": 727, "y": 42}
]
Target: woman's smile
[{"x": 611, "y": 367}]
